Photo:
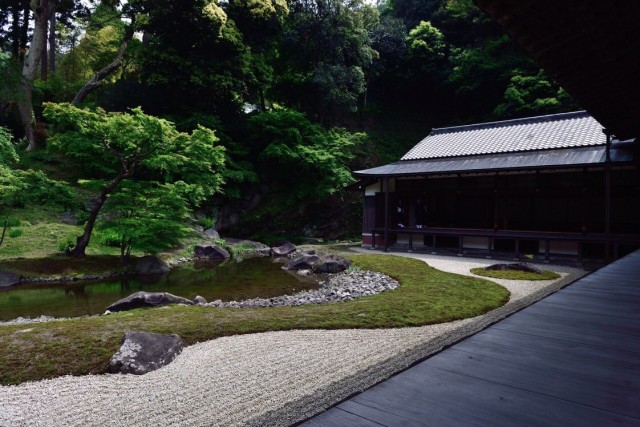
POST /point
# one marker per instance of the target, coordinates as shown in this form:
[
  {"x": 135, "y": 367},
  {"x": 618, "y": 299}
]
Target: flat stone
[
  {"x": 143, "y": 352},
  {"x": 147, "y": 299},
  {"x": 283, "y": 250},
  {"x": 210, "y": 251},
  {"x": 199, "y": 300},
  {"x": 212, "y": 233},
  {"x": 303, "y": 262},
  {"x": 8, "y": 278},
  {"x": 331, "y": 264},
  {"x": 235, "y": 241},
  {"x": 151, "y": 265}
]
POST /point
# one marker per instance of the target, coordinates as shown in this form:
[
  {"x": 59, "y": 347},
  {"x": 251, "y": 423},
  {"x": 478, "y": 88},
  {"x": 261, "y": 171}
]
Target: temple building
[{"x": 550, "y": 187}]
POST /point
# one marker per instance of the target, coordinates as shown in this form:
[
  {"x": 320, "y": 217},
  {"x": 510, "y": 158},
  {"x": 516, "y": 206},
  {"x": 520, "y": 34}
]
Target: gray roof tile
[{"x": 565, "y": 130}]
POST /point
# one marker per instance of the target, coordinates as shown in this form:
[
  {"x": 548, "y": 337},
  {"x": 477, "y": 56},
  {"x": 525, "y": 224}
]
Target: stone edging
[{"x": 338, "y": 287}]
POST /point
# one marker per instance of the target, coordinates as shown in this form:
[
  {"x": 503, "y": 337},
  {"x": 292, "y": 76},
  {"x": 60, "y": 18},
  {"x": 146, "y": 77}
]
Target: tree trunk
[
  {"x": 83, "y": 241},
  {"x": 24, "y": 30},
  {"x": 44, "y": 58},
  {"x": 15, "y": 29},
  {"x": 41, "y": 10},
  {"x": 52, "y": 40},
  {"x": 99, "y": 77}
]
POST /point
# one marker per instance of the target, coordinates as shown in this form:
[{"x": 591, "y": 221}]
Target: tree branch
[{"x": 99, "y": 77}]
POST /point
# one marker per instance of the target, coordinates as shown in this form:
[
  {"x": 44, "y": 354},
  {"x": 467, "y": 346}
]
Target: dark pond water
[{"x": 251, "y": 278}]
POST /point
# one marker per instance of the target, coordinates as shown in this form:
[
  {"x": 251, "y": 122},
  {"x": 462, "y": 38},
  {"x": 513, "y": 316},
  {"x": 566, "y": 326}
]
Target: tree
[
  {"x": 42, "y": 10},
  {"x": 299, "y": 158},
  {"x": 109, "y": 12},
  {"x": 145, "y": 216},
  {"x": 533, "y": 94},
  {"x": 134, "y": 146},
  {"x": 325, "y": 53}
]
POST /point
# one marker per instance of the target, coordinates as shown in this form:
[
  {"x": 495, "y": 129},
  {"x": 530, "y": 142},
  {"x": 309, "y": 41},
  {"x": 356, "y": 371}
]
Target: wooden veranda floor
[{"x": 572, "y": 359}]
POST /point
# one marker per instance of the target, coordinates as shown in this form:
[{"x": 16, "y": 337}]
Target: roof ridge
[{"x": 511, "y": 122}]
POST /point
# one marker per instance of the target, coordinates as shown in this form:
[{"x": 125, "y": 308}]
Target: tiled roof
[
  {"x": 565, "y": 130},
  {"x": 621, "y": 152}
]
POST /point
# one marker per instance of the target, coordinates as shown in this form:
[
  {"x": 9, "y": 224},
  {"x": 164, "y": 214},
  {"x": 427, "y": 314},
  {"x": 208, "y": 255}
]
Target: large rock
[
  {"x": 302, "y": 262},
  {"x": 208, "y": 251},
  {"x": 143, "y": 352},
  {"x": 212, "y": 233},
  {"x": 256, "y": 245},
  {"x": 518, "y": 266},
  {"x": 8, "y": 278},
  {"x": 331, "y": 264},
  {"x": 151, "y": 265},
  {"x": 283, "y": 250},
  {"x": 147, "y": 299}
]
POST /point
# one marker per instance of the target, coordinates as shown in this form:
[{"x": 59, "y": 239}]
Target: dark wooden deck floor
[{"x": 572, "y": 359}]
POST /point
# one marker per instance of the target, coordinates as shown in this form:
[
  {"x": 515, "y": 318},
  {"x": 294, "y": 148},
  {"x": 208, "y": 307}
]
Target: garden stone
[
  {"x": 519, "y": 266},
  {"x": 303, "y": 262},
  {"x": 147, "y": 299},
  {"x": 8, "y": 278},
  {"x": 209, "y": 251},
  {"x": 143, "y": 352},
  {"x": 212, "y": 233},
  {"x": 199, "y": 300},
  {"x": 151, "y": 265},
  {"x": 257, "y": 245},
  {"x": 332, "y": 264},
  {"x": 283, "y": 250}
]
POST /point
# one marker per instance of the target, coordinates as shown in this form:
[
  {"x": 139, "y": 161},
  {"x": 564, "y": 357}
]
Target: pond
[{"x": 229, "y": 281}]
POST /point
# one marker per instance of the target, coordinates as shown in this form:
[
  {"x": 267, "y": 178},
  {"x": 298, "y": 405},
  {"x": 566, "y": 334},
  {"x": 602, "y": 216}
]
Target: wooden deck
[{"x": 572, "y": 359}]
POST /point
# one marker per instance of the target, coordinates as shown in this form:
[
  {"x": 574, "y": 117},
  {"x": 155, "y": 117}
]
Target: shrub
[{"x": 16, "y": 232}]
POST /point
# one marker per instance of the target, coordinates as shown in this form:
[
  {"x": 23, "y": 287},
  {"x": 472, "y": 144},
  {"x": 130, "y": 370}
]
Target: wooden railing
[{"x": 613, "y": 240}]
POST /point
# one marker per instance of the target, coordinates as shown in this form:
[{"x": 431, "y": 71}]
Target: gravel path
[{"x": 274, "y": 378}]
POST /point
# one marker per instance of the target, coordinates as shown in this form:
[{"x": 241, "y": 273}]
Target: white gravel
[{"x": 274, "y": 378}]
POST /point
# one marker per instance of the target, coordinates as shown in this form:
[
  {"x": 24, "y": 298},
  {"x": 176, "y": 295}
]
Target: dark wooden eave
[{"x": 589, "y": 46}]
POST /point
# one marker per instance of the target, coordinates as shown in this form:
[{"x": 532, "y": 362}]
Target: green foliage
[
  {"x": 35, "y": 188},
  {"x": 29, "y": 187},
  {"x": 16, "y": 232},
  {"x": 8, "y": 155},
  {"x": 172, "y": 170},
  {"x": 327, "y": 49},
  {"x": 427, "y": 45},
  {"x": 10, "y": 78},
  {"x": 98, "y": 143},
  {"x": 302, "y": 158},
  {"x": 144, "y": 216},
  {"x": 533, "y": 94}
]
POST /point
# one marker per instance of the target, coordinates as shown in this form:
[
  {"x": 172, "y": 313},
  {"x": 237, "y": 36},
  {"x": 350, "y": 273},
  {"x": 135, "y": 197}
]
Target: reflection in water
[{"x": 254, "y": 277}]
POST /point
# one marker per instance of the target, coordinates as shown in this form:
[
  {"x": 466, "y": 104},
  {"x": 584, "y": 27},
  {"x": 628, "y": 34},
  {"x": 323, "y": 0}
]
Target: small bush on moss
[
  {"x": 16, "y": 232},
  {"x": 515, "y": 275}
]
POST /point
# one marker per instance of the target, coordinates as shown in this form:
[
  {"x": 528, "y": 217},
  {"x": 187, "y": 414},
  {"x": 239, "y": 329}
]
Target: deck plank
[{"x": 572, "y": 359}]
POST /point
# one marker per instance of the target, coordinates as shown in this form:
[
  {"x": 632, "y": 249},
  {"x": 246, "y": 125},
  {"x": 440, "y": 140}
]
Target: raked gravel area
[{"x": 274, "y": 378}]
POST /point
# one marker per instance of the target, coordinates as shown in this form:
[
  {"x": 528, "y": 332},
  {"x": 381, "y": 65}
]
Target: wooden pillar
[
  {"x": 584, "y": 201},
  {"x": 607, "y": 196},
  {"x": 386, "y": 214},
  {"x": 607, "y": 211},
  {"x": 496, "y": 203}
]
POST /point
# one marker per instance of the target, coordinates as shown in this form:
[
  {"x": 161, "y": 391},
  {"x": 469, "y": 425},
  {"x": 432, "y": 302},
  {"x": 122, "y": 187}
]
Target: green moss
[
  {"x": 426, "y": 296},
  {"x": 515, "y": 275}
]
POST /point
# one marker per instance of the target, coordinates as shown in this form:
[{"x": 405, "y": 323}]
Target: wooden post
[
  {"x": 386, "y": 214},
  {"x": 607, "y": 196}
]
